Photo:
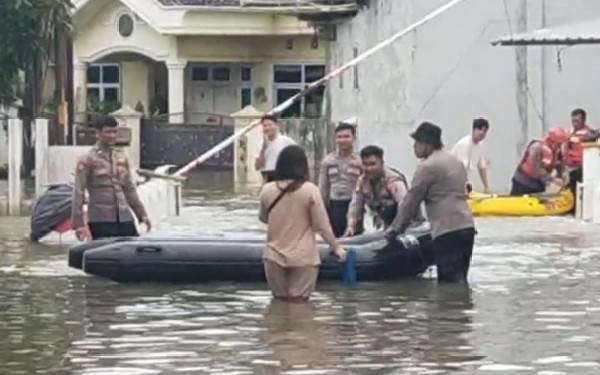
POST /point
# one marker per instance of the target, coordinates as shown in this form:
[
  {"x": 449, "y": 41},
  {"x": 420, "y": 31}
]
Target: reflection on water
[{"x": 532, "y": 308}]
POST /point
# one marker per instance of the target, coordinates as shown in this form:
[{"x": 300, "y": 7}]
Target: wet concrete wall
[{"x": 448, "y": 72}]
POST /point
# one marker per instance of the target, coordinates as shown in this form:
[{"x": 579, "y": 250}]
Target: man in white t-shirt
[
  {"x": 273, "y": 144},
  {"x": 470, "y": 150}
]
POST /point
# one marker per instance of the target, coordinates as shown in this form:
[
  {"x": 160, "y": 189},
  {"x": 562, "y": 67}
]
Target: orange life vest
[
  {"x": 549, "y": 159},
  {"x": 575, "y": 148}
]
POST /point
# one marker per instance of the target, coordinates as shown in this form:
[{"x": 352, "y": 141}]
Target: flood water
[{"x": 533, "y": 307}]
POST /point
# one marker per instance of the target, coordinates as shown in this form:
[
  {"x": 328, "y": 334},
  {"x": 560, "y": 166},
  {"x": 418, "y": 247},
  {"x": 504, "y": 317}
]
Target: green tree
[{"x": 28, "y": 29}]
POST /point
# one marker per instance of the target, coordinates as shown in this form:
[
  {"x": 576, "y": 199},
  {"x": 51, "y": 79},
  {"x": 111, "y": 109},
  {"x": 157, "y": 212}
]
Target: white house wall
[
  {"x": 448, "y": 72},
  {"x": 135, "y": 74},
  {"x": 101, "y": 37},
  {"x": 259, "y": 52},
  {"x": 155, "y": 14},
  {"x": 248, "y": 49},
  {"x": 381, "y": 100},
  {"x": 240, "y": 23}
]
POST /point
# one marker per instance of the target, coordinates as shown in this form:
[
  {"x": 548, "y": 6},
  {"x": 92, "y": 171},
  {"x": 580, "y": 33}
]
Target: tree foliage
[{"x": 27, "y": 32}]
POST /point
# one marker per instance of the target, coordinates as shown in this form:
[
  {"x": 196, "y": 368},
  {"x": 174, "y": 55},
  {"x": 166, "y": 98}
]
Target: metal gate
[{"x": 165, "y": 143}]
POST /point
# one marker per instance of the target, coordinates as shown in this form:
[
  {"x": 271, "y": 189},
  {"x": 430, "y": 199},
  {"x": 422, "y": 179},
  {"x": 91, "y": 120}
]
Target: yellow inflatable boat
[{"x": 544, "y": 204}]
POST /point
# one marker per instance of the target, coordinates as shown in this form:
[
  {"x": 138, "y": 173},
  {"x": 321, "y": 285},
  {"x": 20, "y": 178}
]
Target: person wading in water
[
  {"x": 104, "y": 172},
  {"x": 439, "y": 181},
  {"x": 293, "y": 210}
]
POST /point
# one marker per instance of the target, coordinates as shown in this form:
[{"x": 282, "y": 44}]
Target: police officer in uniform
[
  {"x": 338, "y": 175},
  {"x": 379, "y": 188},
  {"x": 104, "y": 172}
]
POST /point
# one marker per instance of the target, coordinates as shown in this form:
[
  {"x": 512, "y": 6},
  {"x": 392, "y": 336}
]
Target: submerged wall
[{"x": 448, "y": 72}]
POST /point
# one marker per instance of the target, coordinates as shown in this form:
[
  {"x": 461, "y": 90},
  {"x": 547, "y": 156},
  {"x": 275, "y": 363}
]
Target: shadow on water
[{"x": 532, "y": 308}]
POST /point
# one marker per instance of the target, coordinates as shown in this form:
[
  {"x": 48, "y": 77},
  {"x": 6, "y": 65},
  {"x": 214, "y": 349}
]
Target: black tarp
[{"x": 51, "y": 209}]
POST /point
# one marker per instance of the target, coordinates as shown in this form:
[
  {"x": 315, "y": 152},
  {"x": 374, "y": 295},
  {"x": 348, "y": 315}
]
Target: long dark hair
[{"x": 292, "y": 164}]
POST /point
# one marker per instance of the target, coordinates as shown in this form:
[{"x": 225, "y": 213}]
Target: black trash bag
[{"x": 50, "y": 210}]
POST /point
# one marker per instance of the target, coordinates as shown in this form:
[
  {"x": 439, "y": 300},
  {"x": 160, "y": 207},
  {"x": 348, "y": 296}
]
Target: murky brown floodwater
[{"x": 533, "y": 308}]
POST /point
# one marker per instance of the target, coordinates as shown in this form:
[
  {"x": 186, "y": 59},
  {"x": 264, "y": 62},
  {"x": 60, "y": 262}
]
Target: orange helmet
[{"x": 558, "y": 134}]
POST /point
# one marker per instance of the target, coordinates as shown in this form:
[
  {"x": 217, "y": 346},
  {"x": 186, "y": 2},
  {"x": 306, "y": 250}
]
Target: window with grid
[
  {"x": 289, "y": 79},
  {"x": 104, "y": 82},
  {"x": 213, "y": 74}
]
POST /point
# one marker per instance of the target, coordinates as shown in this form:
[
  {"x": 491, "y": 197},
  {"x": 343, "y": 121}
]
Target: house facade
[{"x": 188, "y": 60}]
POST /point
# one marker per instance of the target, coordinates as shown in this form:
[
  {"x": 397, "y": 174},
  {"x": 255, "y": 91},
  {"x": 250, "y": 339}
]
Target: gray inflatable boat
[{"x": 201, "y": 259}]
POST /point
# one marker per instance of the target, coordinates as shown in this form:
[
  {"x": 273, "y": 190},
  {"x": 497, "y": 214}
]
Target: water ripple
[{"x": 532, "y": 308}]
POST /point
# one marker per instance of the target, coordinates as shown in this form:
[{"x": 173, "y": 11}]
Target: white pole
[
  {"x": 334, "y": 73},
  {"x": 41, "y": 156},
  {"x": 15, "y": 158}
]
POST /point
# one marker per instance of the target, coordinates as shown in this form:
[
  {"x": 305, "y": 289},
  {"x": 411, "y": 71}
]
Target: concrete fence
[
  {"x": 56, "y": 164},
  {"x": 3, "y": 143},
  {"x": 15, "y": 163}
]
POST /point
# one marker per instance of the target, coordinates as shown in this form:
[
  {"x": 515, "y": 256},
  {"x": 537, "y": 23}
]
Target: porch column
[
  {"x": 176, "y": 91},
  {"x": 80, "y": 90}
]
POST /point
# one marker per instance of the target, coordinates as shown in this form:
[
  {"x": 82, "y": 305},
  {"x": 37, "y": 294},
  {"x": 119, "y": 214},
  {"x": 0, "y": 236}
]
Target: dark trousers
[
  {"x": 453, "y": 253},
  {"x": 268, "y": 176},
  {"x": 575, "y": 176},
  {"x": 519, "y": 188},
  {"x": 113, "y": 229},
  {"x": 338, "y": 213}
]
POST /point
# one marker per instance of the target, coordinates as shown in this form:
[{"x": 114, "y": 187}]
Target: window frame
[
  {"x": 295, "y": 86},
  {"x": 211, "y": 67},
  {"x": 101, "y": 86}
]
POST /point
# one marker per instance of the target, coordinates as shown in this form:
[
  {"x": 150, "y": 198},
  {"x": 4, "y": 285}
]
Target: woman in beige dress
[{"x": 294, "y": 212}]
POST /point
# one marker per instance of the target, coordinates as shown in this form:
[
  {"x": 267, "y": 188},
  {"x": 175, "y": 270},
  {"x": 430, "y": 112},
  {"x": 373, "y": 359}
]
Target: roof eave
[
  {"x": 263, "y": 9},
  {"x": 544, "y": 42}
]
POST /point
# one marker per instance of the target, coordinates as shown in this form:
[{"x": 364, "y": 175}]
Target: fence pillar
[
  {"x": 247, "y": 147},
  {"x": 174, "y": 199},
  {"x": 176, "y": 91},
  {"x": 80, "y": 90},
  {"x": 15, "y": 162},
  {"x": 589, "y": 206},
  {"x": 41, "y": 156},
  {"x": 131, "y": 119}
]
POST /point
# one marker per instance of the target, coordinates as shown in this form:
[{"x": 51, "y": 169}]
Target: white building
[{"x": 448, "y": 72}]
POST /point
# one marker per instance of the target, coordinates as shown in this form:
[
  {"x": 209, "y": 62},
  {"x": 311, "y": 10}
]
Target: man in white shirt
[
  {"x": 273, "y": 144},
  {"x": 470, "y": 151}
]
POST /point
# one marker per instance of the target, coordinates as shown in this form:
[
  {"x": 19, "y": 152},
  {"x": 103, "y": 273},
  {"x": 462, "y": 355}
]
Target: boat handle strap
[{"x": 148, "y": 249}]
